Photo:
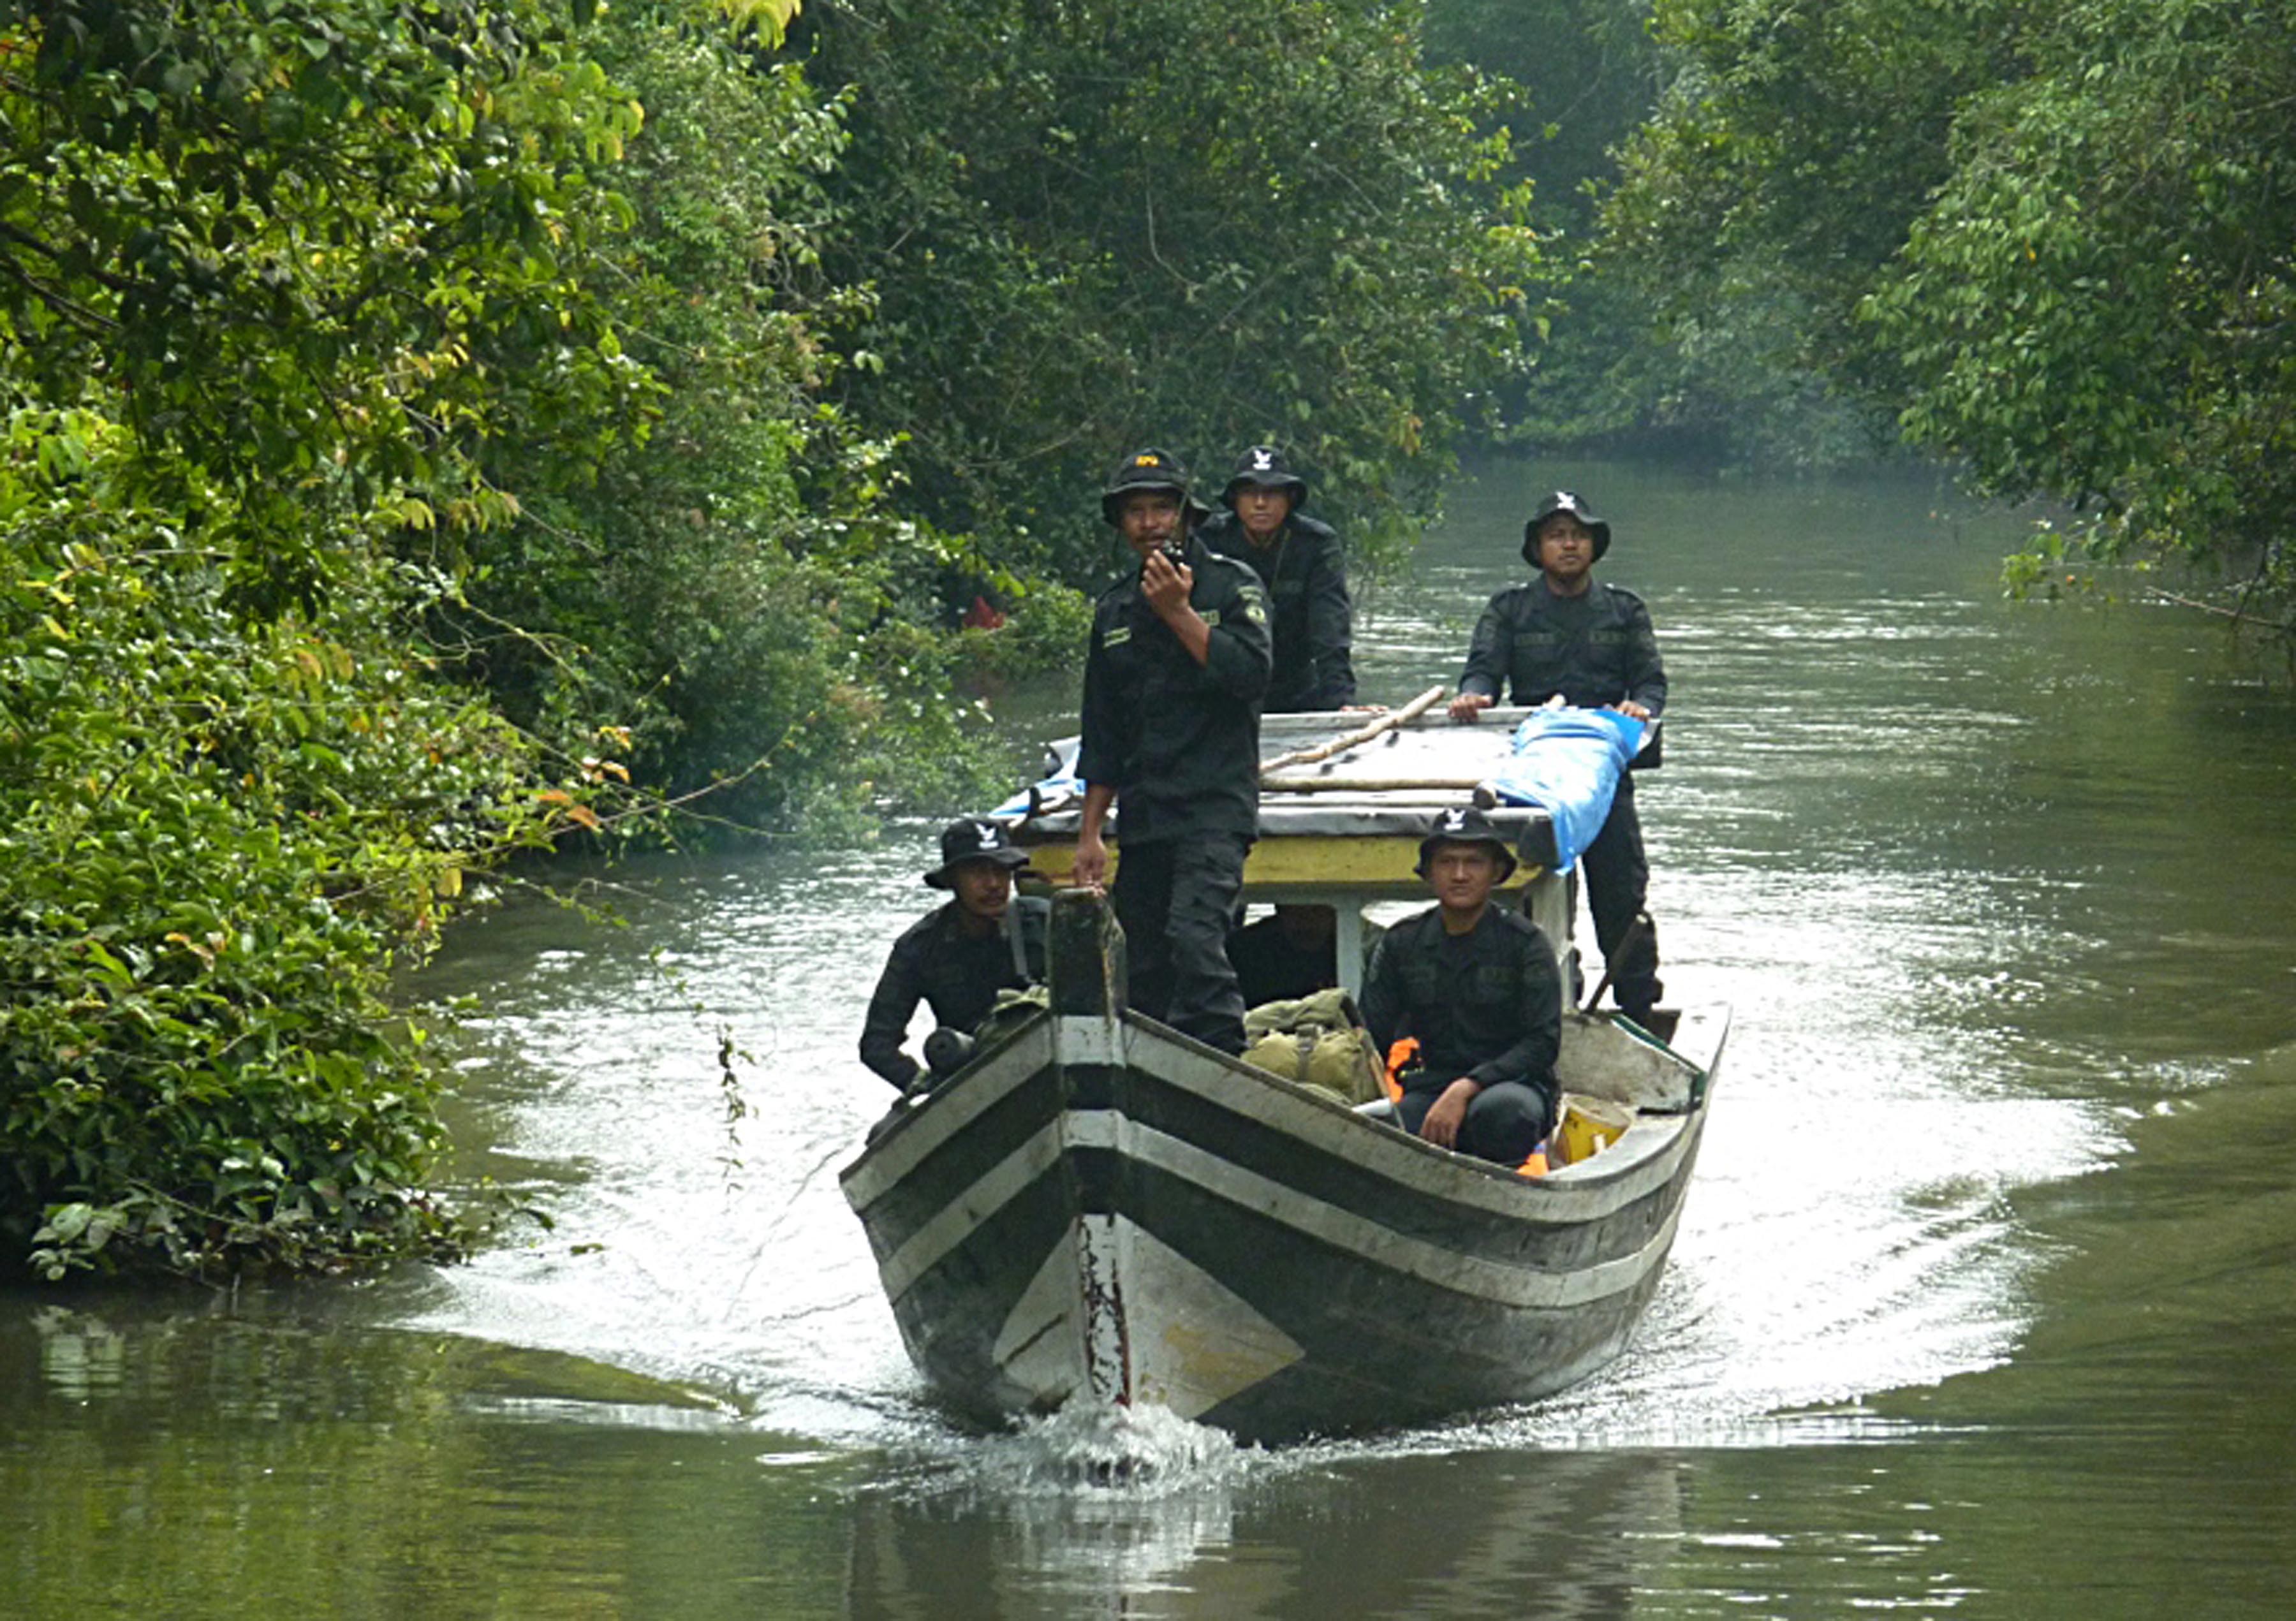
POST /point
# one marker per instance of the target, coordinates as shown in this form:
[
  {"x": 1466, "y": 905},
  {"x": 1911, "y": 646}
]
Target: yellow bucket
[{"x": 1589, "y": 1126}]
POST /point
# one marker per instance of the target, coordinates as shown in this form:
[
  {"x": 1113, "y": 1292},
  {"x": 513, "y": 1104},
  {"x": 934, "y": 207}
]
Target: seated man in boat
[
  {"x": 1173, "y": 678},
  {"x": 1563, "y": 634},
  {"x": 1297, "y": 558},
  {"x": 1475, "y": 983},
  {"x": 958, "y": 955}
]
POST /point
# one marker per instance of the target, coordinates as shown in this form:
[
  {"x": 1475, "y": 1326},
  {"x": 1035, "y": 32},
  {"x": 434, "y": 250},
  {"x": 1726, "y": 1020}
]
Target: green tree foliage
[
  {"x": 737, "y": 590},
  {"x": 2054, "y": 241},
  {"x": 1586, "y": 73},
  {"x": 1795, "y": 145},
  {"x": 1095, "y": 225},
  {"x": 1626, "y": 362},
  {"x": 1589, "y": 74},
  {"x": 381, "y": 492},
  {"x": 2099, "y": 304},
  {"x": 311, "y": 251},
  {"x": 273, "y": 276}
]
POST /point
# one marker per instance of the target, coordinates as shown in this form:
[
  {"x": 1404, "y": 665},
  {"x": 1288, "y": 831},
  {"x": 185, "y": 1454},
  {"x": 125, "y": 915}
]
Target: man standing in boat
[
  {"x": 1563, "y": 634},
  {"x": 1298, "y": 558},
  {"x": 1477, "y": 986},
  {"x": 1173, "y": 679},
  {"x": 957, "y": 956}
]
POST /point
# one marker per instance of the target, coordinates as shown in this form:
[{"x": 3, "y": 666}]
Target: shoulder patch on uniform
[
  {"x": 1521, "y": 925},
  {"x": 1251, "y": 602}
]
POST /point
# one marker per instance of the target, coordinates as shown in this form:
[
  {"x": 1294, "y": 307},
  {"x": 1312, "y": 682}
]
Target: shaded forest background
[{"x": 437, "y": 431}]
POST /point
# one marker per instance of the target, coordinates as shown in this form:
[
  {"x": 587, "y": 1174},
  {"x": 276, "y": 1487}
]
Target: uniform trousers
[
  {"x": 1618, "y": 885},
  {"x": 1174, "y": 898},
  {"x": 1505, "y": 1120}
]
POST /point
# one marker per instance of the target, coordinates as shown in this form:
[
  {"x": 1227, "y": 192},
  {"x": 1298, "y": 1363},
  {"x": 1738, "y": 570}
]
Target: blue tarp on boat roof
[
  {"x": 1061, "y": 785},
  {"x": 1566, "y": 762}
]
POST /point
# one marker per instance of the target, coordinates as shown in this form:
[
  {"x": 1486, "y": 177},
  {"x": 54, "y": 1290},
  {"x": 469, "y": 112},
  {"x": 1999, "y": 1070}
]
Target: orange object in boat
[{"x": 1398, "y": 1059}]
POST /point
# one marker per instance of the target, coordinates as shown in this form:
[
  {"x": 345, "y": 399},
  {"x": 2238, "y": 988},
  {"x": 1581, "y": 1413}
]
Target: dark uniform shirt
[
  {"x": 1308, "y": 591},
  {"x": 957, "y": 973},
  {"x": 1595, "y": 649},
  {"x": 1487, "y": 1004},
  {"x": 1178, "y": 741}
]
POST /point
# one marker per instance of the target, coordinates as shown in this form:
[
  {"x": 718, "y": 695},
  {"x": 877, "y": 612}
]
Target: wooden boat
[{"x": 1097, "y": 1208}]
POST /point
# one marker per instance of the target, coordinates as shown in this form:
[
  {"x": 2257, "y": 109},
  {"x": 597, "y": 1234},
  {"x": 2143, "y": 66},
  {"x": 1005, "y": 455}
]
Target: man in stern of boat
[
  {"x": 1476, "y": 983},
  {"x": 956, "y": 957},
  {"x": 1565, "y": 635},
  {"x": 1173, "y": 678},
  {"x": 1298, "y": 558}
]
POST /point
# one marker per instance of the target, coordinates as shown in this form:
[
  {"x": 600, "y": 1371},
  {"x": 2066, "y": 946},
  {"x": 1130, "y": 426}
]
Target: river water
[{"x": 1985, "y": 1299}]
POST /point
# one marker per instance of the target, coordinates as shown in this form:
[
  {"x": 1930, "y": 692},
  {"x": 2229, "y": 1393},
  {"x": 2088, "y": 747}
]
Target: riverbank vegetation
[
  {"x": 278, "y": 280},
  {"x": 2054, "y": 243}
]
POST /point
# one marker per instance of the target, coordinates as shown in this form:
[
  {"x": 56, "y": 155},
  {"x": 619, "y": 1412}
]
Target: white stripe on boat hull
[{"x": 1510, "y": 1286}]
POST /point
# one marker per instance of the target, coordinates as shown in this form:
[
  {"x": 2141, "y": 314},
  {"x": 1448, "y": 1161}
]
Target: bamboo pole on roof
[{"x": 1388, "y": 721}]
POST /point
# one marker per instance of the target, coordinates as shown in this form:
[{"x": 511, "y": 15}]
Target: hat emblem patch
[{"x": 1262, "y": 459}]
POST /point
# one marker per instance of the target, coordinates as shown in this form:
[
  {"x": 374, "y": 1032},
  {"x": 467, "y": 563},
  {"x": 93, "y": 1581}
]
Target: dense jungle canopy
[
  {"x": 439, "y": 431},
  {"x": 2053, "y": 242}
]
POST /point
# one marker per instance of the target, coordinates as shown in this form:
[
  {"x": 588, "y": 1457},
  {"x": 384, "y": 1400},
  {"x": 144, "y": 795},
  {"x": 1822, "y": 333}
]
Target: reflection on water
[
  {"x": 1565, "y": 1534},
  {"x": 1087, "y": 1507},
  {"x": 1983, "y": 1297}
]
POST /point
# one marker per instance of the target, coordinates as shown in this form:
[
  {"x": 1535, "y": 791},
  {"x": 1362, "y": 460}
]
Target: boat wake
[
  {"x": 1082, "y": 1511},
  {"x": 1139, "y": 1452}
]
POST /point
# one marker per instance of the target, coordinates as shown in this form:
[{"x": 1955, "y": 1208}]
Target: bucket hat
[
  {"x": 1264, "y": 467},
  {"x": 975, "y": 838},
  {"x": 1150, "y": 470},
  {"x": 1465, "y": 824},
  {"x": 1564, "y": 501}
]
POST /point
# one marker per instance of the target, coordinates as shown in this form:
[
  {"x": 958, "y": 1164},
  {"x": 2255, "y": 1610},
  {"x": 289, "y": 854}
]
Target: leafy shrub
[{"x": 217, "y": 837}]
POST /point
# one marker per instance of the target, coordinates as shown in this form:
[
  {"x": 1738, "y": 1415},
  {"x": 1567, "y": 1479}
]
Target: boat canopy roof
[{"x": 1545, "y": 777}]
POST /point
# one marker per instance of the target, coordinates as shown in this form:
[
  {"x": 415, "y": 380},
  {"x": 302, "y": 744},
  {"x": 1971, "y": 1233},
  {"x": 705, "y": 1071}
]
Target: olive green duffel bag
[{"x": 1319, "y": 1040}]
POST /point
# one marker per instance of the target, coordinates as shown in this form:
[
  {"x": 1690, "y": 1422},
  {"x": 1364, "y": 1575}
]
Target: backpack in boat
[{"x": 1319, "y": 1040}]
